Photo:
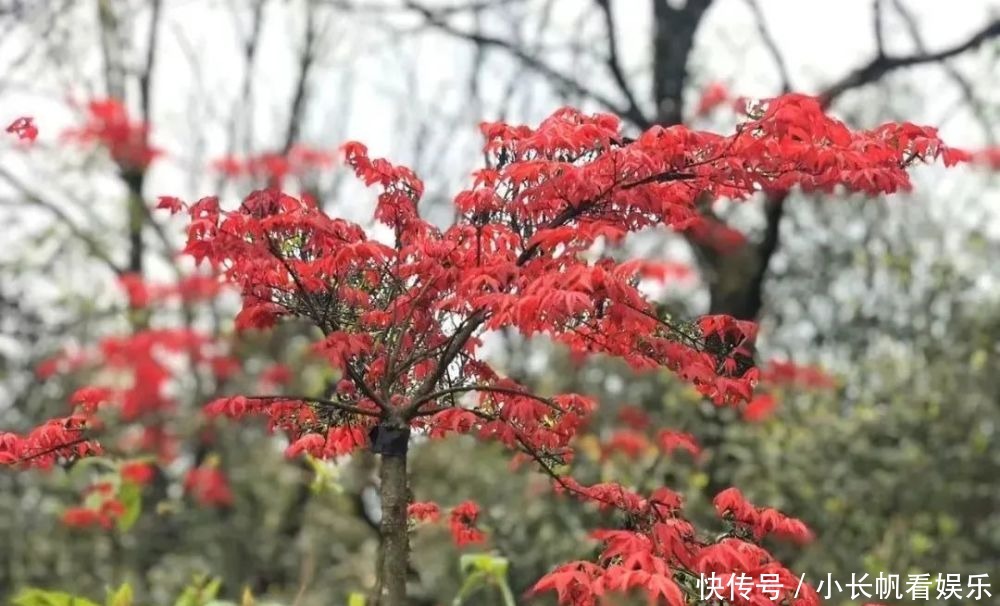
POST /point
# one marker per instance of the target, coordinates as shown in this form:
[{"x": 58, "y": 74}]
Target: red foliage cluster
[
  {"x": 208, "y": 485},
  {"x": 713, "y": 95},
  {"x": 759, "y": 521},
  {"x": 989, "y": 157},
  {"x": 137, "y": 472},
  {"x": 109, "y": 124},
  {"x": 274, "y": 168},
  {"x": 462, "y": 523},
  {"x": 24, "y": 128},
  {"x": 423, "y": 511},
  {"x": 630, "y": 443},
  {"x": 761, "y": 407},
  {"x": 718, "y": 236},
  {"x": 461, "y": 520},
  {"x": 143, "y": 357},
  {"x": 102, "y": 515},
  {"x": 101, "y": 508},
  {"x": 634, "y": 417},
  {"x": 283, "y": 413},
  {"x": 633, "y": 443},
  {"x": 275, "y": 375},
  {"x": 138, "y": 368},
  {"x": 55, "y": 439},
  {"x": 189, "y": 289},
  {"x": 779, "y": 373},
  {"x": 664, "y": 547},
  {"x": 339, "y": 441}
]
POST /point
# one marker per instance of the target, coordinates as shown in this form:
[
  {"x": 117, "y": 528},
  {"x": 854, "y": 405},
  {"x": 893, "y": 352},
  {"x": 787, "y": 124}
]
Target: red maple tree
[{"x": 402, "y": 313}]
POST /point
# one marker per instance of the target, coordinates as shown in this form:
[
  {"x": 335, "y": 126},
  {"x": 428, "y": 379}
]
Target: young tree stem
[{"x": 394, "y": 559}]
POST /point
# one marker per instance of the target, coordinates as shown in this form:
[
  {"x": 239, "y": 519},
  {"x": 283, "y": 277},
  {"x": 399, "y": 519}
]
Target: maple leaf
[
  {"x": 170, "y": 203},
  {"x": 25, "y": 128},
  {"x": 714, "y": 95},
  {"x": 670, "y": 441},
  {"x": 574, "y": 583},
  {"x": 760, "y": 407},
  {"x": 423, "y": 511}
]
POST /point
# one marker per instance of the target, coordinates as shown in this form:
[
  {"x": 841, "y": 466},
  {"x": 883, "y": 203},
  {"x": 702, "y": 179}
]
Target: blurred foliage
[
  {"x": 895, "y": 469},
  {"x": 201, "y": 591}
]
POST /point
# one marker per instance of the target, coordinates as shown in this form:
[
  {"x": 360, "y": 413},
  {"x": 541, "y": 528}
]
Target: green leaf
[
  {"x": 212, "y": 589},
  {"x": 42, "y": 597},
  {"x": 473, "y": 582},
  {"x": 356, "y": 599},
  {"x": 920, "y": 543},
  {"x": 324, "y": 476},
  {"x": 131, "y": 497},
  {"x": 201, "y": 592},
  {"x": 484, "y": 570},
  {"x": 488, "y": 563},
  {"x": 82, "y": 466},
  {"x": 121, "y": 596},
  {"x": 699, "y": 480}
]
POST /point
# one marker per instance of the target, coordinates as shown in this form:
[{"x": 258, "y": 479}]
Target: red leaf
[{"x": 24, "y": 128}]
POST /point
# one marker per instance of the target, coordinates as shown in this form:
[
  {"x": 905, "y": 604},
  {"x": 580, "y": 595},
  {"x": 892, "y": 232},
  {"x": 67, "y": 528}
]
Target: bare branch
[
  {"x": 772, "y": 46},
  {"x": 146, "y": 78},
  {"x": 880, "y": 66},
  {"x": 306, "y": 59},
  {"x": 78, "y": 232},
  {"x": 349, "y": 408},
  {"x": 614, "y": 63},
  {"x": 370, "y": 6},
  {"x": 53, "y": 449},
  {"x": 874, "y": 70},
  {"x": 416, "y": 404},
  {"x": 960, "y": 80},
  {"x": 533, "y": 62},
  {"x": 243, "y": 106},
  {"x": 877, "y": 28}
]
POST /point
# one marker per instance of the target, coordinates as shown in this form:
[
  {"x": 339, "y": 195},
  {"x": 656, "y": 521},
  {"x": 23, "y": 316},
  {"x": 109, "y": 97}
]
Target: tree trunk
[
  {"x": 135, "y": 179},
  {"x": 395, "y": 549}
]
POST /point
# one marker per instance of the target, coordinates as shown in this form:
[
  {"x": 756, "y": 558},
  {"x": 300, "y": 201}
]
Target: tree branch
[
  {"x": 306, "y": 60},
  {"x": 960, "y": 80},
  {"x": 877, "y": 28},
  {"x": 530, "y": 61},
  {"x": 483, "y": 388},
  {"x": 772, "y": 46},
  {"x": 879, "y": 66},
  {"x": 875, "y": 69},
  {"x": 146, "y": 78},
  {"x": 615, "y": 66},
  {"x": 674, "y": 32},
  {"x": 92, "y": 245},
  {"x": 349, "y": 408}
]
